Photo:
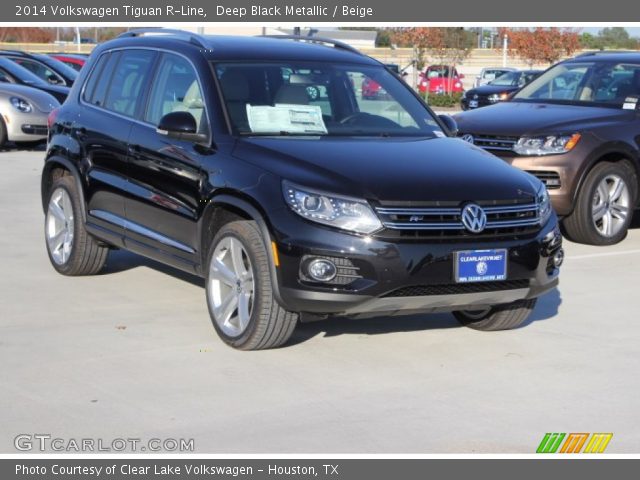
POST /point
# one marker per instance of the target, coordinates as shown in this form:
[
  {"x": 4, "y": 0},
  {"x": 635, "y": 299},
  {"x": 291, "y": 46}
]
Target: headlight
[
  {"x": 544, "y": 204},
  {"x": 546, "y": 145},
  {"x": 20, "y": 104},
  {"x": 341, "y": 212},
  {"x": 498, "y": 97}
]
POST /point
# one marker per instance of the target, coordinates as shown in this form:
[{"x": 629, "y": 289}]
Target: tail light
[{"x": 51, "y": 119}]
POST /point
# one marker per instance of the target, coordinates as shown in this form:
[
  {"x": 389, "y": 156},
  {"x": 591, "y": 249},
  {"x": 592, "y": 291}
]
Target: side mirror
[
  {"x": 180, "y": 125},
  {"x": 450, "y": 123}
]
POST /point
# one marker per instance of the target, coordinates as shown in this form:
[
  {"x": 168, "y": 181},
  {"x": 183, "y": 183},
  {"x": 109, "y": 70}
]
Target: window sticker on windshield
[
  {"x": 286, "y": 118},
  {"x": 439, "y": 133},
  {"x": 630, "y": 103}
]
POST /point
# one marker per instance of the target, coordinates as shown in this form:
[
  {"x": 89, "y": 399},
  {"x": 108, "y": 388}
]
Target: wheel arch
[
  {"x": 617, "y": 153},
  {"x": 51, "y": 164},
  {"x": 232, "y": 205}
]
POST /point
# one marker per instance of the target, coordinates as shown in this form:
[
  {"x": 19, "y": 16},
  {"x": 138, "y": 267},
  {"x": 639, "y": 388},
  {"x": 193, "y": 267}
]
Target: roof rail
[
  {"x": 189, "y": 36},
  {"x": 319, "y": 40},
  {"x": 599, "y": 52}
]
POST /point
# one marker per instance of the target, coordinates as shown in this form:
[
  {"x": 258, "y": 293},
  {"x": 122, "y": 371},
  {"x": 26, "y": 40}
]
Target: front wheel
[
  {"x": 499, "y": 317},
  {"x": 239, "y": 289},
  {"x": 604, "y": 206}
]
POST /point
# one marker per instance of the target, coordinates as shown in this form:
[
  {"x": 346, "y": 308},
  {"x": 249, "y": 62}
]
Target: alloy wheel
[
  {"x": 59, "y": 226},
  {"x": 231, "y": 286},
  {"x": 610, "y": 206}
]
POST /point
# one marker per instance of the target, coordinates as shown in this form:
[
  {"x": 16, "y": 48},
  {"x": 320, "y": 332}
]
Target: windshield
[
  {"x": 439, "y": 71},
  {"x": 604, "y": 83},
  {"x": 22, "y": 74},
  {"x": 59, "y": 67},
  {"x": 299, "y": 98},
  {"x": 507, "y": 80}
]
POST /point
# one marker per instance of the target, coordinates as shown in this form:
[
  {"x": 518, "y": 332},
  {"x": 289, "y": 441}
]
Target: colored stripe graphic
[
  {"x": 598, "y": 442},
  {"x": 574, "y": 443},
  {"x": 550, "y": 442}
]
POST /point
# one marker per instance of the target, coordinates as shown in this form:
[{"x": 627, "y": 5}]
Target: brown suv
[{"x": 576, "y": 128}]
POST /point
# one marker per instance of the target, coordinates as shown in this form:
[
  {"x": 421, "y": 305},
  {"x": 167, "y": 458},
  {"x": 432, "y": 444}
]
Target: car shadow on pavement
[
  {"x": 547, "y": 307},
  {"x": 123, "y": 260}
]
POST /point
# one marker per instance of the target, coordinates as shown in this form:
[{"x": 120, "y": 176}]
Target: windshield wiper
[{"x": 282, "y": 133}]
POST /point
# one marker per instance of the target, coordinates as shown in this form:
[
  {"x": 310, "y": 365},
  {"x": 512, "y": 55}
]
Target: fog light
[
  {"x": 558, "y": 258},
  {"x": 322, "y": 270}
]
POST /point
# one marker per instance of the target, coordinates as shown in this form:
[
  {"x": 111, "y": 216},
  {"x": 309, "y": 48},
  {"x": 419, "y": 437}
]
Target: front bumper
[
  {"x": 26, "y": 127},
  {"x": 402, "y": 277}
]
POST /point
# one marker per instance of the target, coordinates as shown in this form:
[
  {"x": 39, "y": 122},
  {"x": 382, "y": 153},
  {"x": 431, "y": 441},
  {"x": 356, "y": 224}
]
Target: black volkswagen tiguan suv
[{"x": 209, "y": 154}]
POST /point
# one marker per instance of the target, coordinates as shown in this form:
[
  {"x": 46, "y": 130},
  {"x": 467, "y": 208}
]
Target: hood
[
  {"x": 486, "y": 90},
  {"x": 58, "y": 91},
  {"x": 519, "y": 118},
  {"x": 41, "y": 100},
  {"x": 390, "y": 169}
]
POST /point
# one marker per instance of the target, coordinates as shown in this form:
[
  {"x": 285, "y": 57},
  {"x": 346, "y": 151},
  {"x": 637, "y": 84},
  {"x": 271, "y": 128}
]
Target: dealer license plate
[{"x": 480, "y": 265}]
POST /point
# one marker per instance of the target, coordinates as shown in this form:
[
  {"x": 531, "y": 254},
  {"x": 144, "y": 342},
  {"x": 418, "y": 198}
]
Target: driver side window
[{"x": 176, "y": 89}]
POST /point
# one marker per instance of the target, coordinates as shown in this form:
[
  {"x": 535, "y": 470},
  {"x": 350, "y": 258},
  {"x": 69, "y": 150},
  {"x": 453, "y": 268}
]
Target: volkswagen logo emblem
[
  {"x": 467, "y": 137},
  {"x": 473, "y": 218}
]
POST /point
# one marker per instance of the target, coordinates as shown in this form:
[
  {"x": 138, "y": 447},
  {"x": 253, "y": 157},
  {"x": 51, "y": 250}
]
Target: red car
[
  {"x": 74, "y": 61},
  {"x": 436, "y": 78},
  {"x": 372, "y": 89}
]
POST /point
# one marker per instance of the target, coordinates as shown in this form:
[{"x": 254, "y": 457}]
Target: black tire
[
  {"x": 579, "y": 225},
  {"x": 3, "y": 133},
  {"x": 500, "y": 317},
  {"x": 87, "y": 256},
  {"x": 270, "y": 325}
]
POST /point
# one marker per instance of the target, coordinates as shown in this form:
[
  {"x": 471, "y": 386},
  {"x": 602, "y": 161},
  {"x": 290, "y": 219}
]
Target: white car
[
  {"x": 490, "y": 73},
  {"x": 23, "y": 114}
]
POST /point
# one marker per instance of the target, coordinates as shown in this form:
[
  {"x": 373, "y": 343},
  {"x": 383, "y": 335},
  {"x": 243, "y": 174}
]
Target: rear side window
[
  {"x": 98, "y": 83},
  {"x": 131, "y": 75}
]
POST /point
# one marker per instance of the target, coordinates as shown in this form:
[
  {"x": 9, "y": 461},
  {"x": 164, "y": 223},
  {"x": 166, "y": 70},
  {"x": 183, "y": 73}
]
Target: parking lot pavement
[{"x": 131, "y": 353}]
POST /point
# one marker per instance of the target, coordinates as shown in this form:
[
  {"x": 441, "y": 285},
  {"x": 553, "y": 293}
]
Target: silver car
[{"x": 23, "y": 114}]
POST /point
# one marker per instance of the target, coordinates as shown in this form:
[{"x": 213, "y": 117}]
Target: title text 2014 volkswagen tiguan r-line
[
  {"x": 207, "y": 154},
  {"x": 577, "y": 128}
]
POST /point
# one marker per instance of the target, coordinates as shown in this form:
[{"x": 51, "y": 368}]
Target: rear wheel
[
  {"x": 604, "y": 206},
  {"x": 72, "y": 251},
  {"x": 240, "y": 297},
  {"x": 499, "y": 317}
]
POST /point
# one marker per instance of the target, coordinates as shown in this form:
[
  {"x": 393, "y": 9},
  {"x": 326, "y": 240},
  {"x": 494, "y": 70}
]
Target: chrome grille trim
[{"x": 449, "y": 218}]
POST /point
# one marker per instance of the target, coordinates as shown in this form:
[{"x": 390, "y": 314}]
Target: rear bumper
[{"x": 387, "y": 268}]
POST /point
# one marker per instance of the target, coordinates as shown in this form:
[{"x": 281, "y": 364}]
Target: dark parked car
[
  {"x": 497, "y": 90},
  {"x": 11, "y": 72},
  {"x": 576, "y": 128},
  {"x": 47, "y": 68},
  {"x": 207, "y": 154}
]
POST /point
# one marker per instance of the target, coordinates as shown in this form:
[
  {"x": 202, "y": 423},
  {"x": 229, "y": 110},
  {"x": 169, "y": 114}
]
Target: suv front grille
[
  {"x": 456, "y": 288},
  {"x": 446, "y": 222},
  {"x": 549, "y": 178},
  {"x": 495, "y": 142}
]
